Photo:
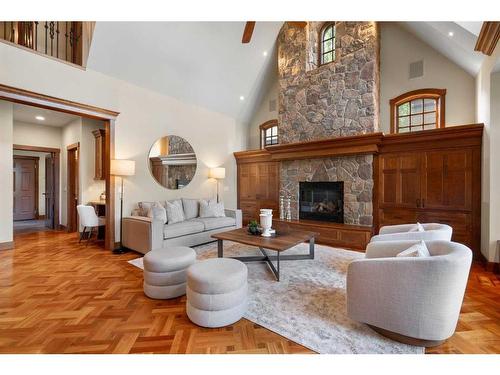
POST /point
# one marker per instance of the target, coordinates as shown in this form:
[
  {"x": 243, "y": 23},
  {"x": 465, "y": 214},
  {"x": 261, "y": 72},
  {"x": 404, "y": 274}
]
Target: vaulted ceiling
[{"x": 205, "y": 63}]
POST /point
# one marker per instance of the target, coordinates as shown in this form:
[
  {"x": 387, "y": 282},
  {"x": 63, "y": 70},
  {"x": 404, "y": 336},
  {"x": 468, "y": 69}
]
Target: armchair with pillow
[
  {"x": 178, "y": 222},
  {"x": 410, "y": 291},
  {"x": 408, "y": 232}
]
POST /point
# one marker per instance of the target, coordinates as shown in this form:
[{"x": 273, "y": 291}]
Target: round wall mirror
[{"x": 172, "y": 162}]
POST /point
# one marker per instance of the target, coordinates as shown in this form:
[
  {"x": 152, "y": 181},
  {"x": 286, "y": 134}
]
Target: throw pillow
[
  {"x": 158, "y": 212},
  {"x": 175, "y": 214},
  {"x": 191, "y": 208},
  {"x": 418, "y": 228},
  {"x": 144, "y": 207},
  {"x": 210, "y": 208},
  {"x": 418, "y": 250}
]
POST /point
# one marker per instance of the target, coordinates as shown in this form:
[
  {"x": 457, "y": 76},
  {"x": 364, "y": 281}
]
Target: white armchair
[
  {"x": 433, "y": 231},
  {"x": 412, "y": 300}
]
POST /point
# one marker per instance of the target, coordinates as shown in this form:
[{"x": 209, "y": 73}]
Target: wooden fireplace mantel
[{"x": 338, "y": 146}]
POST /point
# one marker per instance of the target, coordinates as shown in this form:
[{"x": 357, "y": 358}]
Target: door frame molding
[
  {"x": 55, "y": 152},
  {"x": 37, "y": 166},
  {"x": 16, "y": 95},
  {"x": 70, "y": 226}
]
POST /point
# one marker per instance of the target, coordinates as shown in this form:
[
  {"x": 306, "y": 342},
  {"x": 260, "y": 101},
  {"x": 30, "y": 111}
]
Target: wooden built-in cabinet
[
  {"x": 426, "y": 176},
  {"x": 433, "y": 177},
  {"x": 100, "y": 159},
  {"x": 258, "y": 186}
]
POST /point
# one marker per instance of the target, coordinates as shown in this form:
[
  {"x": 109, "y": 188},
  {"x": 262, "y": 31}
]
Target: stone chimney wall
[{"x": 334, "y": 100}]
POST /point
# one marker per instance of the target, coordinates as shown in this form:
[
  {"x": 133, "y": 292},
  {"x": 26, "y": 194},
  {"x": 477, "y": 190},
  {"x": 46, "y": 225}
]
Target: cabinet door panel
[
  {"x": 388, "y": 180},
  {"x": 460, "y": 222},
  {"x": 410, "y": 172},
  {"x": 447, "y": 181},
  {"x": 397, "y": 216},
  {"x": 400, "y": 181}
]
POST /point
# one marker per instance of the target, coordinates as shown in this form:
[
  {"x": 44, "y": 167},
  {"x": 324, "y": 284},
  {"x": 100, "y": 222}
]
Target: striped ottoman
[
  {"x": 165, "y": 271},
  {"x": 216, "y": 292}
]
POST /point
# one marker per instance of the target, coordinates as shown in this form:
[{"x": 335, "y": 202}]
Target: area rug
[{"x": 308, "y": 305}]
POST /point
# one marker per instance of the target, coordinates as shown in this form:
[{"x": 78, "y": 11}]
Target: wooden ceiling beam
[
  {"x": 488, "y": 37},
  {"x": 247, "y": 32}
]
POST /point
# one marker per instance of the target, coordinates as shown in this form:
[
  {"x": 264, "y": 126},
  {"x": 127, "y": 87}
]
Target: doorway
[
  {"x": 18, "y": 95},
  {"x": 73, "y": 183},
  {"x": 25, "y": 176},
  {"x": 36, "y": 188}
]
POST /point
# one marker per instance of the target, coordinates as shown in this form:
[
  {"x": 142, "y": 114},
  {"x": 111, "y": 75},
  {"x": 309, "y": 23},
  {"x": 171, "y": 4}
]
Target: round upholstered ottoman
[
  {"x": 165, "y": 271},
  {"x": 216, "y": 292}
]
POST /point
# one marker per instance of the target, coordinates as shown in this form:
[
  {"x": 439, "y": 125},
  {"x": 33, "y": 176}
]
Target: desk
[{"x": 100, "y": 209}]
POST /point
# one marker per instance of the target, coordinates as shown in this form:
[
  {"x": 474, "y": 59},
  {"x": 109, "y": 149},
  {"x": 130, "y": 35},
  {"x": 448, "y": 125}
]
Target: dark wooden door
[
  {"x": 49, "y": 192},
  {"x": 447, "y": 180},
  {"x": 72, "y": 190},
  {"x": 25, "y": 185}
]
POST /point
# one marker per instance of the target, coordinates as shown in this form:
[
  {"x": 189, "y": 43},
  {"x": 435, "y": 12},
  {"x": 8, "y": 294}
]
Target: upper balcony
[{"x": 68, "y": 41}]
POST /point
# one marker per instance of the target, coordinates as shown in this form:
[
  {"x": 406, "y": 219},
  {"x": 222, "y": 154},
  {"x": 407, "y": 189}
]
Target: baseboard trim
[
  {"x": 7, "y": 245},
  {"x": 62, "y": 227}
]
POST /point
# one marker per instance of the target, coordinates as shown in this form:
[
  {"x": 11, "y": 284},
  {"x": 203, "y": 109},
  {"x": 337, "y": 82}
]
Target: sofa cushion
[
  {"x": 216, "y": 222},
  {"x": 158, "y": 212},
  {"x": 191, "y": 208},
  {"x": 175, "y": 213},
  {"x": 210, "y": 208},
  {"x": 182, "y": 228}
]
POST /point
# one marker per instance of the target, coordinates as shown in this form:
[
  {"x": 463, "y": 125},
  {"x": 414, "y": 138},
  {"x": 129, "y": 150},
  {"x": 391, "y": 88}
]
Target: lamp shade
[
  {"x": 218, "y": 173},
  {"x": 120, "y": 167}
]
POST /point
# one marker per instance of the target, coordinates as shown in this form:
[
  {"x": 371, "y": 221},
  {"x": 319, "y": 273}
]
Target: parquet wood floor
[{"x": 57, "y": 296}]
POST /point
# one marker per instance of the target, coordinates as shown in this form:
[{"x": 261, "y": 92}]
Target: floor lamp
[
  {"x": 121, "y": 168},
  {"x": 218, "y": 174}
]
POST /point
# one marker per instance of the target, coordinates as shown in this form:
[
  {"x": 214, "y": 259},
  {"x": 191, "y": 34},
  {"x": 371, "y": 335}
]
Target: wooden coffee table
[{"x": 280, "y": 243}]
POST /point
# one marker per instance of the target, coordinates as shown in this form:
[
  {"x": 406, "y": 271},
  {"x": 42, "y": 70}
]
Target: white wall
[
  {"x": 6, "y": 193},
  {"x": 90, "y": 189},
  {"x": 144, "y": 117},
  {"x": 399, "y": 48},
  {"x": 263, "y": 114},
  {"x": 71, "y": 134},
  {"x": 41, "y": 175},
  {"x": 494, "y": 218},
  {"x": 486, "y": 109},
  {"x": 37, "y": 135}
]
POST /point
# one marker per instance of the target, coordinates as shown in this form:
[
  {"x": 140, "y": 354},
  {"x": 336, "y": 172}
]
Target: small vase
[{"x": 266, "y": 221}]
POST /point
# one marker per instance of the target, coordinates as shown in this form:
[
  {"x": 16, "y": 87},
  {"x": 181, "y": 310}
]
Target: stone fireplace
[
  {"x": 322, "y": 200},
  {"x": 338, "y": 99}
]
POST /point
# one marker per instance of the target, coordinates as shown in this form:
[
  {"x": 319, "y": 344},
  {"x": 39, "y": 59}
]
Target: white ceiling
[
  {"x": 203, "y": 63},
  {"x": 459, "y": 48},
  {"x": 25, "y": 113}
]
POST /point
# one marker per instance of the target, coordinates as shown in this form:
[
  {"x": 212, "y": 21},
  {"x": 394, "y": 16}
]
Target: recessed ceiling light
[
  {"x": 242, "y": 97},
  {"x": 450, "y": 33},
  {"x": 40, "y": 118},
  {"x": 264, "y": 53}
]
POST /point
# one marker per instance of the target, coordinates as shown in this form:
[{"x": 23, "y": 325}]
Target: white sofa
[
  {"x": 143, "y": 234},
  {"x": 413, "y": 300},
  {"x": 433, "y": 231}
]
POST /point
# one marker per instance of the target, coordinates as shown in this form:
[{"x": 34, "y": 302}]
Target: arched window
[
  {"x": 327, "y": 43},
  {"x": 269, "y": 133},
  {"x": 418, "y": 110}
]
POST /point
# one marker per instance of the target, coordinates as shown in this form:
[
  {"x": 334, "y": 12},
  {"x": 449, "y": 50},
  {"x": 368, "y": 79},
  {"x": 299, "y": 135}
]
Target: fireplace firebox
[{"x": 322, "y": 201}]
